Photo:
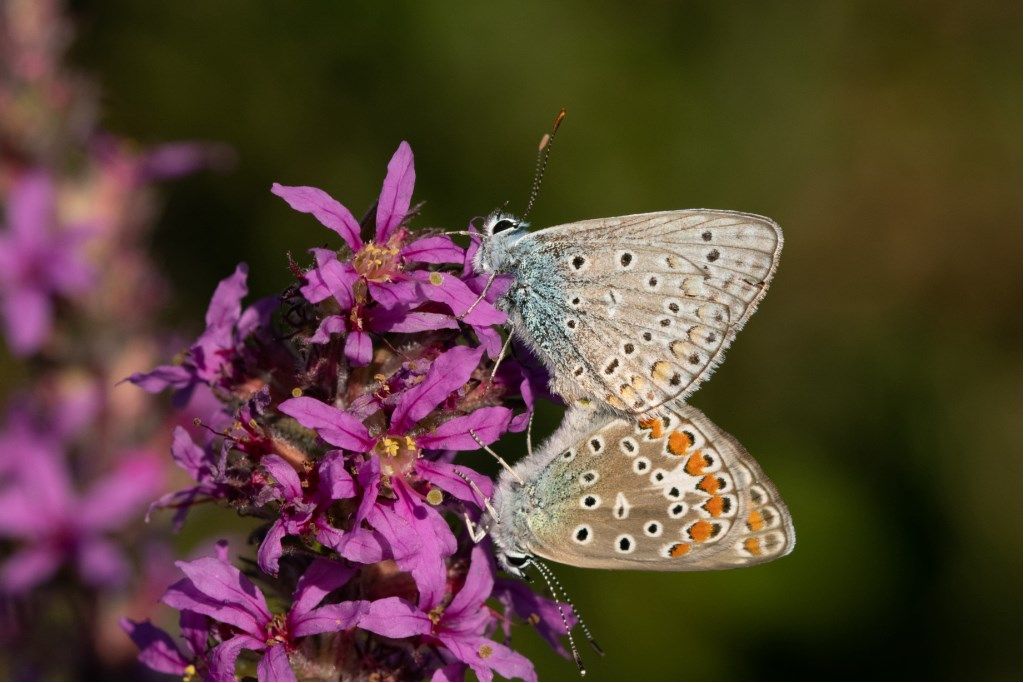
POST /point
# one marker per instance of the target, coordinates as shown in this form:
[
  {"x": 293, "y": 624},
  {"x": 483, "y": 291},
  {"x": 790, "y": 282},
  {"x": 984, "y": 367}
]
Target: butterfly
[
  {"x": 668, "y": 493},
  {"x": 634, "y": 311}
]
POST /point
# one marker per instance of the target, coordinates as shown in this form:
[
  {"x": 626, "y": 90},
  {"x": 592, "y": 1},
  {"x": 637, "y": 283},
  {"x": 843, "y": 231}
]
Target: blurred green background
[{"x": 880, "y": 383}]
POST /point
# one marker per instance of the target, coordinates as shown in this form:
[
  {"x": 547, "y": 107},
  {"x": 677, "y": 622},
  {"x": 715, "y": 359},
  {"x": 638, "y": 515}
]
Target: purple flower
[
  {"x": 303, "y": 510},
  {"x": 461, "y": 625},
  {"x": 37, "y": 263},
  {"x": 159, "y": 652},
  {"x": 379, "y": 269},
  {"x": 54, "y": 525},
  {"x": 205, "y": 466},
  {"x": 211, "y": 359},
  {"x": 217, "y": 590}
]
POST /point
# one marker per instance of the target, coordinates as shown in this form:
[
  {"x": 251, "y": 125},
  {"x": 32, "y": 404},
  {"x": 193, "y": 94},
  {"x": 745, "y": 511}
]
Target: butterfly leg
[
  {"x": 476, "y": 533},
  {"x": 529, "y": 434},
  {"x": 486, "y": 502},
  {"x": 501, "y": 356},
  {"x": 480, "y": 298}
]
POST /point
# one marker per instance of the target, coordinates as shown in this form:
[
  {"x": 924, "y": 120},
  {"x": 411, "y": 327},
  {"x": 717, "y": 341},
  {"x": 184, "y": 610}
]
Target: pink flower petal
[
  {"x": 157, "y": 649},
  {"x": 329, "y": 211},
  {"x": 394, "y": 618},
  {"x": 487, "y": 423},
  {"x": 449, "y": 372},
  {"x": 435, "y": 249},
  {"x": 336, "y": 427},
  {"x": 274, "y": 665},
  {"x": 396, "y": 194},
  {"x": 358, "y": 349}
]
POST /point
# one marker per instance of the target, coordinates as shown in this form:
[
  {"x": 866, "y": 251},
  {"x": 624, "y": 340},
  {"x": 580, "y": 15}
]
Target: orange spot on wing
[
  {"x": 715, "y": 506},
  {"x": 653, "y": 424},
  {"x": 696, "y": 463},
  {"x": 709, "y": 484},
  {"x": 752, "y": 545},
  {"x": 678, "y": 550},
  {"x": 678, "y": 443},
  {"x": 700, "y": 531},
  {"x": 755, "y": 520}
]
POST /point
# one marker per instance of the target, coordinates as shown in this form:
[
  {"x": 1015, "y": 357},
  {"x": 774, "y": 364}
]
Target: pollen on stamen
[
  {"x": 296, "y": 392},
  {"x": 435, "y": 497},
  {"x": 436, "y": 279}
]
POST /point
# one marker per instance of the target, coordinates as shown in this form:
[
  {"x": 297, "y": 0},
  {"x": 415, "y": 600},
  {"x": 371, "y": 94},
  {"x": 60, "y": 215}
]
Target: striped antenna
[{"x": 543, "y": 152}]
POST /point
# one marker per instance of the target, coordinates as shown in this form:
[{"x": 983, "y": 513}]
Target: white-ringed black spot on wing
[
  {"x": 629, "y": 446},
  {"x": 677, "y": 510},
  {"x": 647, "y": 336},
  {"x": 596, "y": 444},
  {"x": 589, "y": 478},
  {"x": 665, "y": 322},
  {"x": 575, "y": 301},
  {"x": 628, "y": 348},
  {"x": 569, "y": 455},
  {"x": 578, "y": 371},
  {"x": 622, "y": 506},
  {"x": 583, "y": 534},
  {"x": 758, "y": 495},
  {"x": 652, "y": 283},
  {"x": 658, "y": 476},
  {"x": 590, "y": 501},
  {"x": 625, "y": 544},
  {"x": 653, "y": 528},
  {"x": 571, "y": 323},
  {"x": 625, "y": 260},
  {"x": 641, "y": 465},
  {"x": 706, "y": 236},
  {"x": 611, "y": 366},
  {"x": 713, "y": 255},
  {"x": 579, "y": 262},
  {"x": 673, "y": 492},
  {"x": 672, "y": 306}
]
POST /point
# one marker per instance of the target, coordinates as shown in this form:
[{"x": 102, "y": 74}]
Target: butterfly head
[{"x": 500, "y": 230}]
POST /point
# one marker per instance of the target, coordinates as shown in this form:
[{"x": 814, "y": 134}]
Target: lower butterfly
[
  {"x": 667, "y": 493},
  {"x": 671, "y": 493}
]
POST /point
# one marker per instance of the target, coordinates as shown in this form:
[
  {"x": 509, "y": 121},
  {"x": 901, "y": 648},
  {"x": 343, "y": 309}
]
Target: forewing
[
  {"x": 654, "y": 300},
  {"x": 673, "y": 493}
]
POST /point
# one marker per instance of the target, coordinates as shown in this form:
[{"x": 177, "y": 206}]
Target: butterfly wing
[
  {"x": 673, "y": 493},
  {"x": 647, "y": 304}
]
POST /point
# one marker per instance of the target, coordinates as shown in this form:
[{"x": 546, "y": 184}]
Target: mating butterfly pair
[{"x": 630, "y": 315}]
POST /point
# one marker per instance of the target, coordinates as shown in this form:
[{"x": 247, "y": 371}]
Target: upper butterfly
[{"x": 633, "y": 311}]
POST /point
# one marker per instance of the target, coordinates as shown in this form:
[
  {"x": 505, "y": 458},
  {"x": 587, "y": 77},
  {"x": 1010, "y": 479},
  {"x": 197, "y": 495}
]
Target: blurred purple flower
[
  {"x": 54, "y": 525},
  {"x": 460, "y": 625},
  {"x": 38, "y": 261}
]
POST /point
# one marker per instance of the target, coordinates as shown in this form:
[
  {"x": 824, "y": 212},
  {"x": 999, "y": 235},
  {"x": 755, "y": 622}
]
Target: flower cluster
[{"x": 345, "y": 402}]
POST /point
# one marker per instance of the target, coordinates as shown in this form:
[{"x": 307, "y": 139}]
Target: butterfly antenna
[
  {"x": 497, "y": 457},
  {"x": 549, "y": 579},
  {"x": 576, "y": 613},
  {"x": 543, "y": 152}
]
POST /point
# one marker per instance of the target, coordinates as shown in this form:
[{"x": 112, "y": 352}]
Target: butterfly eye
[
  {"x": 503, "y": 224},
  {"x": 516, "y": 560}
]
